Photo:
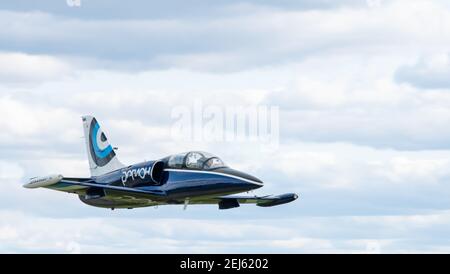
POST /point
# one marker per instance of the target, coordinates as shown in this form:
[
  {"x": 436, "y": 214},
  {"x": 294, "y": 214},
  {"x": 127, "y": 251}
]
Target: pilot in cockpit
[{"x": 195, "y": 160}]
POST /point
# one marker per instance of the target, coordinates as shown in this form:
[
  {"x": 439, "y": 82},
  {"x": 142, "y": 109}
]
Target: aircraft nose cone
[
  {"x": 251, "y": 178},
  {"x": 242, "y": 176}
]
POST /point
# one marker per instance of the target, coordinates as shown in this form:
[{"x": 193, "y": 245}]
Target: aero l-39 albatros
[{"x": 187, "y": 178}]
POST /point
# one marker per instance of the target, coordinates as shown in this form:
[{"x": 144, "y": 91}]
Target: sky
[{"x": 363, "y": 94}]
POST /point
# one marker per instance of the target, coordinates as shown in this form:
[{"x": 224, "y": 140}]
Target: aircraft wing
[
  {"x": 87, "y": 186},
  {"x": 91, "y": 190},
  {"x": 231, "y": 201}
]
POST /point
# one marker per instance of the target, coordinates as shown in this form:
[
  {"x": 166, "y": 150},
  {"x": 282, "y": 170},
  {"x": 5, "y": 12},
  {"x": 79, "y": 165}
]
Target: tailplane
[{"x": 101, "y": 155}]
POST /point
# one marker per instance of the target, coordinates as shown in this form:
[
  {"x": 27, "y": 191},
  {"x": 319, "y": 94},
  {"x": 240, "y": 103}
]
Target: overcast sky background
[{"x": 363, "y": 89}]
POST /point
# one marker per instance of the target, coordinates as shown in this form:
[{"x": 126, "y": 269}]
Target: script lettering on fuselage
[{"x": 135, "y": 173}]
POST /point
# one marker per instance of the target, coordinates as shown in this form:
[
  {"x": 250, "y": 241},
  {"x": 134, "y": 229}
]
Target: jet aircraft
[{"x": 193, "y": 177}]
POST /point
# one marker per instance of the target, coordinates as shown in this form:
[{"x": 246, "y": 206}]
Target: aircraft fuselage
[{"x": 174, "y": 185}]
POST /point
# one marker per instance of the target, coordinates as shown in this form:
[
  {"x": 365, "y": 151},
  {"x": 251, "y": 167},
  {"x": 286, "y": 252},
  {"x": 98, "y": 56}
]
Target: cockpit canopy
[{"x": 195, "y": 160}]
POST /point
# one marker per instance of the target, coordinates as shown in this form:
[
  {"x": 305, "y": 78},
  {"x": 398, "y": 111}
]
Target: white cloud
[
  {"x": 429, "y": 72},
  {"x": 10, "y": 170},
  {"x": 21, "y": 68},
  {"x": 25, "y": 119},
  {"x": 208, "y": 44},
  {"x": 405, "y": 169},
  {"x": 303, "y": 243},
  {"x": 129, "y": 235},
  {"x": 8, "y": 233}
]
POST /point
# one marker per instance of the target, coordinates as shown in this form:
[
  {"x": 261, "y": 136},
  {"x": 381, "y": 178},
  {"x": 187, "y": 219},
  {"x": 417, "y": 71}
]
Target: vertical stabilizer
[{"x": 101, "y": 155}]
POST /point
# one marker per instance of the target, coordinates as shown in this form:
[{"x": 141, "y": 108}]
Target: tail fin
[{"x": 101, "y": 155}]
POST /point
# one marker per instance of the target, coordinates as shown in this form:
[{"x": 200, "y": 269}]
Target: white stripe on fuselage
[{"x": 215, "y": 173}]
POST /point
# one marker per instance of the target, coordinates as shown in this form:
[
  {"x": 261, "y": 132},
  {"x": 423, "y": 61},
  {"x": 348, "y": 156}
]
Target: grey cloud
[
  {"x": 140, "y": 9},
  {"x": 424, "y": 75},
  {"x": 247, "y": 37},
  {"x": 388, "y": 234},
  {"x": 369, "y": 128},
  {"x": 132, "y": 44}
]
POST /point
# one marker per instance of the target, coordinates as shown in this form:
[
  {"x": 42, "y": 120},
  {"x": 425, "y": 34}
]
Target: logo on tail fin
[{"x": 101, "y": 150}]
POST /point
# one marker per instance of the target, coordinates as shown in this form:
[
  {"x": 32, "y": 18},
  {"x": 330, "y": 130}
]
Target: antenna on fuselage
[{"x": 186, "y": 202}]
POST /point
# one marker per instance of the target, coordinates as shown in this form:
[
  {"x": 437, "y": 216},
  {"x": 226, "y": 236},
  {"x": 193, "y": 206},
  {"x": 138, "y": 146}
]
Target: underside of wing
[
  {"x": 231, "y": 201},
  {"x": 108, "y": 196}
]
